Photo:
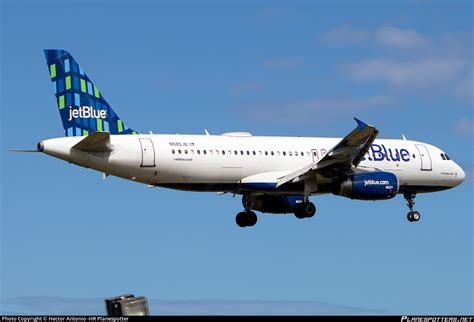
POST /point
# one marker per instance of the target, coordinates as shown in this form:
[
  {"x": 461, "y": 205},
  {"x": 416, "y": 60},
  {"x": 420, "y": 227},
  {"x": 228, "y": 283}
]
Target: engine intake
[
  {"x": 272, "y": 204},
  {"x": 368, "y": 186}
]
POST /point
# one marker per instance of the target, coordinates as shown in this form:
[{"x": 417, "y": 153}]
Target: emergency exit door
[{"x": 148, "y": 153}]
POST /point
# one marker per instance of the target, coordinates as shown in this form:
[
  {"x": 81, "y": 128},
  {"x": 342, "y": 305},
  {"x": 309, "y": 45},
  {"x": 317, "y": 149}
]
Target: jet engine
[{"x": 368, "y": 186}]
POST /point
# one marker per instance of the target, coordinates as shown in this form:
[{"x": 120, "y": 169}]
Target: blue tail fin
[{"x": 82, "y": 107}]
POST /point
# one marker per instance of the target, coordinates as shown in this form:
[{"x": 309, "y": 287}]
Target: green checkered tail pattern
[{"x": 82, "y": 106}]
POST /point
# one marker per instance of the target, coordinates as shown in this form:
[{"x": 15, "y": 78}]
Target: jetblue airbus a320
[{"x": 273, "y": 174}]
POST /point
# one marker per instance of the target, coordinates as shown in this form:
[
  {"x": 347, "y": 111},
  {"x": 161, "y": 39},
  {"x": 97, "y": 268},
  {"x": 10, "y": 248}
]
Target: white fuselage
[{"x": 220, "y": 162}]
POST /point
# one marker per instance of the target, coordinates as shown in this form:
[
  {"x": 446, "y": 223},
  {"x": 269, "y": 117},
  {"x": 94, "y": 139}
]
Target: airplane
[{"x": 275, "y": 175}]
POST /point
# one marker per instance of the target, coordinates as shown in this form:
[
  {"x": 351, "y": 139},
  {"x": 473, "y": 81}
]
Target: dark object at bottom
[{"x": 126, "y": 305}]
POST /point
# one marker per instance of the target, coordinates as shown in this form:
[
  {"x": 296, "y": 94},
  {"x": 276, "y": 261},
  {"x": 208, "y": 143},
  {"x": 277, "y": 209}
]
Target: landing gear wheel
[
  {"x": 251, "y": 218},
  {"x": 413, "y": 216},
  {"x": 410, "y": 198},
  {"x": 309, "y": 209},
  {"x": 246, "y": 219},
  {"x": 305, "y": 210},
  {"x": 241, "y": 219}
]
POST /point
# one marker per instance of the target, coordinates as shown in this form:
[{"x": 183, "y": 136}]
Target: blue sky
[{"x": 270, "y": 68}]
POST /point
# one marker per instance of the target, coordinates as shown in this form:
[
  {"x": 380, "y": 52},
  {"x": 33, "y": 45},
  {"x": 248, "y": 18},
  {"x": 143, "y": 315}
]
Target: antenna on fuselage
[
  {"x": 403, "y": 137},
  {"x": 205, "y": 131}
]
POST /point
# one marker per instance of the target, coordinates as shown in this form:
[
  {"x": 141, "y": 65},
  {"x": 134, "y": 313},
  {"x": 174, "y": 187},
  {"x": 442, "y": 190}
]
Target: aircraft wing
[{"x": 346, "y": 155}]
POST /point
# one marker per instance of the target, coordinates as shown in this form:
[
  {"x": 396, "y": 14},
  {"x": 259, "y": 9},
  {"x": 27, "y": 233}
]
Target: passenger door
[
  {"x": 148, "y": 153},
  {"x": 425, "y": 157}
]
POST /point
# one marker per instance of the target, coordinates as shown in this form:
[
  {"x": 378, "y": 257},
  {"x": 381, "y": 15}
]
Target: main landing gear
[
  {"x": 246, "y": 218},
  {"x": 305, "y": 210},
  {"x": 410, "y": 198}
]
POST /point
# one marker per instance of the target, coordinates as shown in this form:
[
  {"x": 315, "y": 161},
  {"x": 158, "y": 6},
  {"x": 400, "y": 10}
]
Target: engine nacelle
[
  {"x": 368, "y": 186},
  {"x": 273, "y": 204}
]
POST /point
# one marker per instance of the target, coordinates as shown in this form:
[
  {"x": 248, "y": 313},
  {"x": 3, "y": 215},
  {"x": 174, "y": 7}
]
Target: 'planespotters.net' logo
[{"x": 86, "y": 112}]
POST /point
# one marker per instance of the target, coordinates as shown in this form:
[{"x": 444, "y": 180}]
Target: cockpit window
[
  {"x": 447, "y": 158},
  {"x": 443, "y": 157}
]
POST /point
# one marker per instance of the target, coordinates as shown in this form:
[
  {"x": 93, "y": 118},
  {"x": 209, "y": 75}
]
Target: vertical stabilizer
[{"x": 82, "y": 106}]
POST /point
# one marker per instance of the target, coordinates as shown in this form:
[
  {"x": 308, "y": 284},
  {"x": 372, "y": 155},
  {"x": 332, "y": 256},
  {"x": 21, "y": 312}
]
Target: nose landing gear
[{"x": 412, "y": 214}]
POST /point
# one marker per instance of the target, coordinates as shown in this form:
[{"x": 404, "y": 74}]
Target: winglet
[{"x": 360, "y": 125}]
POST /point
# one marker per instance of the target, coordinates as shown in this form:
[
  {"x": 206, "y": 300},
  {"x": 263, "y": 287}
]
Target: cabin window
[
  {"x": 253, "y": 152},
  {"x": 248, "y": 153},
  {"x": 204, "y": 152},
  {"x": 272, "y": 153},
  {"x": 289, "y": 153},
  {"x": 199, "y": 151},
  {"x": 217, "y": 152},
  {"x": 302, "y": 154},
  {"x": 192, "y": 151},
  {"x": 179, "y": 151},
  {"x": 172, "y": 151},
  {"x": 266, "y": 152},
  {"x": 413, "y": 155},
  {"x": 278, "y": 153},
  {"x": 223, "y": 152},
  {"x": 185, "y": 151},
  {"x": 241, "y": 152},
  {"x": 284, "y": 153}
]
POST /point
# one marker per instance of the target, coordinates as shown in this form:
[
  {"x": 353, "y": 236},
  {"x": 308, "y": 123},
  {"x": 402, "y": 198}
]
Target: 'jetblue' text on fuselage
[{"x": 381, "y": 153}]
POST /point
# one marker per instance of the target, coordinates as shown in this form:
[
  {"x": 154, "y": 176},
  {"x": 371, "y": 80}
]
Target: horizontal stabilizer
[
  {"x": 18, "y": 150},
  {"x": 95, "y": 142}
]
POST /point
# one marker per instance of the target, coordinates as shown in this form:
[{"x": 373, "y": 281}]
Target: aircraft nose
[{"x": 460, "y": 175}]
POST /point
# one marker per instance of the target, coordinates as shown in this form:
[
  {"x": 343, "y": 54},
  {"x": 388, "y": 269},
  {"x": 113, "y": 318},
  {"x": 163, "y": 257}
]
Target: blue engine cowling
[
  {"x": 368, "y": 186},
  {"x": 272, "y": 204}
]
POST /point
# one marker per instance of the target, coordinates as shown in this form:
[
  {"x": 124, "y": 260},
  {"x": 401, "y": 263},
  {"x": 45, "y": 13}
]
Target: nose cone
[{"x": 460, "y": 175}]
